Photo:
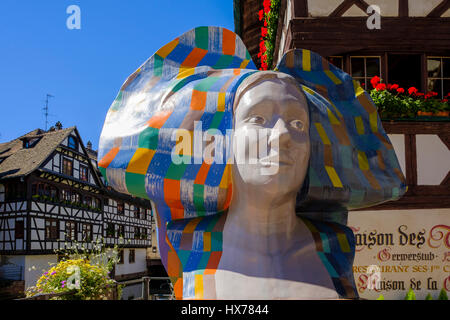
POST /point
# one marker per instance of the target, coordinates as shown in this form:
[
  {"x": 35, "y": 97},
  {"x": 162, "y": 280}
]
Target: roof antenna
[{"x": 46, "y": 110}]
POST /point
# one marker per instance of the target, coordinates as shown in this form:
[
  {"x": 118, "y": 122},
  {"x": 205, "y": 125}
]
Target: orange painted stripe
[
  {"x": 158, "y": 120},
  {"x": 194, "y": 58},
  {"x": 172, "y": 197},
  {"x": 228, "y": 42},
  {"x": 109, "y": 157},
  {"x": 202, "y": 174},
  {"x": 198, "y": 100},
  {"x": 213, "y": 262}
]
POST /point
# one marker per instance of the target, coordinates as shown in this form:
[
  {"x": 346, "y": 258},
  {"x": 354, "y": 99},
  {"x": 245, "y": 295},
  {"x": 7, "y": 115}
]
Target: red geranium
[
  {"x": 412, "y": 90},
  {"x": 264, "y": 32},
  {"x": 261, "y": 14},
  {"x": 266, "y": 5},
  {"x": 380, "y": 87},
  {"x": 394, "y": 87},
  {"x": 374, "y": 81},
  {"x": 400, "y": 90}
]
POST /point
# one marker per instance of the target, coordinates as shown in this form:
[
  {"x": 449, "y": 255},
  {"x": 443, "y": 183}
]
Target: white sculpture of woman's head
[{"x": 271, "y": 124}]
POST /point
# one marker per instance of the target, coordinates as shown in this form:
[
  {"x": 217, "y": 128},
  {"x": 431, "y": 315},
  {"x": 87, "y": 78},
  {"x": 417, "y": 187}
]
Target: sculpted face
[{"x": 272, "y": 114}]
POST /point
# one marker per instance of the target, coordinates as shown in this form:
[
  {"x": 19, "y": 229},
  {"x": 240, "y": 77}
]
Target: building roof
[{"x": 16, "y": 160}]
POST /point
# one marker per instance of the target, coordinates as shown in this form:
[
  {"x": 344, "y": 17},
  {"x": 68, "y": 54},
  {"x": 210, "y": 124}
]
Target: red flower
[
  {"x": 389, "y": 86},
  {"x": 264, "y": 32},
  {"x": 394, "y": 87},
  {"x": 265, "y": 23},
  {"x": 412, "y": 90},
  {"x": 419, "y": 94},
  {"x": 380, "y": 87},
  {"x": 261, "y": 14},
  {"x": 266, "y": 5},
  {"x": 264, "y": 65},
  {"x": 400, "y": 90},
  {"x": 444, "y": 100},
  {"x": 374, "y": 81}
]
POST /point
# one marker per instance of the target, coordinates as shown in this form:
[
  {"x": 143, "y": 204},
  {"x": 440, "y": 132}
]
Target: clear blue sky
[{"x": 84, "y": 68}]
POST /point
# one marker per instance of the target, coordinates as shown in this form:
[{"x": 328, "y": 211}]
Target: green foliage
[
  {"x": 272, "y": 27},
  {"x": 410, "y": 295},
  {"x": 443, "y": 295},
  {"x": 83, "y": 273},
  {"x": 429, "y": 297}
]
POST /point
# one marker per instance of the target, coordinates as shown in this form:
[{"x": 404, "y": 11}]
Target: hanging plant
[{"x": 269, "y": 15}]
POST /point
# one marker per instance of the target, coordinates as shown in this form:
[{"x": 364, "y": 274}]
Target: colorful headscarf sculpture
[{"x": 195, "y": 78}]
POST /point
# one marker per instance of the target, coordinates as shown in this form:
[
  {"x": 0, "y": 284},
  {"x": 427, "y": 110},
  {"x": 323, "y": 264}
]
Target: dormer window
[
  {"x": 72, "y": 143},
  {"x": 30, "y": 142}
]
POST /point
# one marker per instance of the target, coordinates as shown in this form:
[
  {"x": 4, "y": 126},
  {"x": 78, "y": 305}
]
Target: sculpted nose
[{"x": 279, "y": 134}]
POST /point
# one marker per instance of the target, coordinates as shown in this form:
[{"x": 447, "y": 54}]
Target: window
[
  {"x": 96, "y": 204},
  {"x": 439, "y": 75},
  {"x": 405, "y": 70},
  {"x": 76, "y": 197},
  {"x": 51, "y": 229},
  {"x": 15, "y": 191},
  {"x": 87, "y": 232},
  {"x": 120, "y": 207},
  {"x": 67, "y": 167},
  {"x": 87, "y": 201},
  {"x": 365, "y": 68},
  {"x": 66, "y": 195},
  {"x": 45, "y": 191},
  {"x": 71, "y": 230},
  {"x": 144, "y": 233},
  {"x": 120, "y": 257},
  {"x": 142, "y": 213},
  {"x": 19, "y": 229},
  {"x": 72, "y": 143},
  {"x": 131, "y": 256},
  {"x": 136, "y": 212},
  {"x": 110, "y": 230},
  {"x": 121, "y": 231},
  {"x": 136, "y": 233},
  {"x": 337, "y": 61},
  {"x": 84, "y": 172}
]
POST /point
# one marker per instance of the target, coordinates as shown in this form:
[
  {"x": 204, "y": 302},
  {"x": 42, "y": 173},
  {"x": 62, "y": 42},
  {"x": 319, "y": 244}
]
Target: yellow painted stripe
[
  {"x": 198, "y": 286},
  {"x": 185, "y": 72},
  {"x": 359, "y": 125},
  {"x": 322, "y": 133},
  {"x": 306, "y": 62},
  {"x": 207, "y": 241},
  {"x": 140, "y": 161},
  {"x": 225, "y": 177},
  {"x": 310, "y": 226},
  {"x": 332, "y": 117},
  {"x": 334, "y": 177},
  {"x": 373, "y": 119},
  {"x": 333, "y": 77},
  {"x": 190, "y": 227},
  {"x": 308, "y": 90},
  {"x": 168, "y": 48},
  {"x": 362, "y": 160},
  {"x": 221, "y": 102},
  {"x": 343, "y": 242},
  {"x": 358, "y": 89},
  {"x": 244, "y": 63}
]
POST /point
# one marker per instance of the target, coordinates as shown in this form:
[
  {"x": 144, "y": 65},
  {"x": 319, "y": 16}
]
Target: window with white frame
[
  {"x": 438, "y": 75},
  {"x": 365, "y": 68}
]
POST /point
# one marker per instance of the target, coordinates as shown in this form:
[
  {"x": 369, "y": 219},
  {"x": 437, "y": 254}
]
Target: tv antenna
[{"x": 46, "y": 110}]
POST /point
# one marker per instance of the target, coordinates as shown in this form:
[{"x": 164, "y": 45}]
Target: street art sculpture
[{"x": 251, "y": 172}]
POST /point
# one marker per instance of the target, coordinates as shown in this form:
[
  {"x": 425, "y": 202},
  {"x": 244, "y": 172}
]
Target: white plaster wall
[
  {"x": 446, "y": 14},
  {"x": 35, "y": 266},
  {"x": 388, "y": 8},
  {"x": 398, "y": 142},
  {"x": 139, "y": 265},
  {"x": 322, "y": 8},
  {"x": 420, "y": 8},
  {"x": 433, "y": 159},
  {"x": 354, "y": 11}
]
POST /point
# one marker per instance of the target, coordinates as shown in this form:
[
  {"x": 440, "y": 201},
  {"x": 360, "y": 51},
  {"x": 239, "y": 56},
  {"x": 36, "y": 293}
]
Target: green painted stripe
[{"x": 202, "y": 37}]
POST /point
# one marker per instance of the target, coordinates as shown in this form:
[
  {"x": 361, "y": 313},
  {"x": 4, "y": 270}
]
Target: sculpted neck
[{"x": 260, "y": 211}]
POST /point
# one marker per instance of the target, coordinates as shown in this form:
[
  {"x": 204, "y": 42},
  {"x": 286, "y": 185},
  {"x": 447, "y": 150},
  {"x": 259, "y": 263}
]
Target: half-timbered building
[
  {"x": 410, "y": 46},
  {"x": 52, "y": 196}
]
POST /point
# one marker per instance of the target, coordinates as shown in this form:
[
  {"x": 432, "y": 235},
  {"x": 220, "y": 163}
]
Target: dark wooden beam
[
  {"x": 440, "y": 9},
  {"x": 403, "y": 8},
  {"x": 301, "y": 8},
  {"x": 410, "y": 161}
]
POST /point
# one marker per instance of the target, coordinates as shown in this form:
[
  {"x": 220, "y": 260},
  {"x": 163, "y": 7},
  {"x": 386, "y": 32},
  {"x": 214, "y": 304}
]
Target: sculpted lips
[{"x": 278, "y": 160}]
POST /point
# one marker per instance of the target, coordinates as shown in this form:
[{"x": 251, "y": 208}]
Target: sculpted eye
[
  {"x": 297, "y": 124},
  {"x": 256, "y": 120}
]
